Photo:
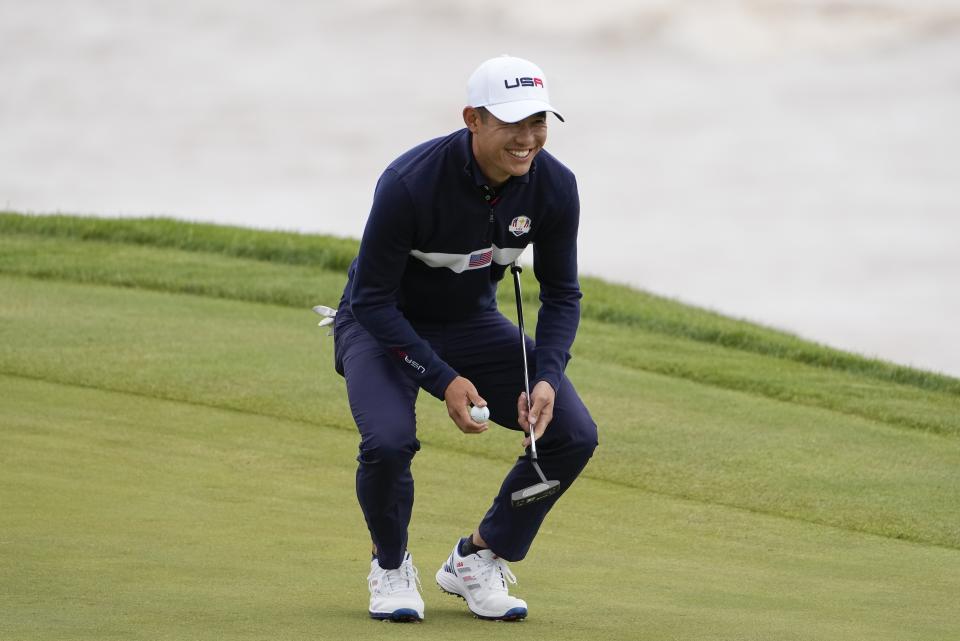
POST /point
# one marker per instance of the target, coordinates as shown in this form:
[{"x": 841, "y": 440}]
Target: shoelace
[
  {"x": 399, "y": 578},
  {"x": 488, "y": 572}
]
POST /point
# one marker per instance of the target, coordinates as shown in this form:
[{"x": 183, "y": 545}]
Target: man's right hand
[{"x": 459, "y": 395}]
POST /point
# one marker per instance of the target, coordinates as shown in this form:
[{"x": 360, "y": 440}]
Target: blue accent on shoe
[
  {"x": 403, "y": 615},
  {"x": 513, "y": 614}
]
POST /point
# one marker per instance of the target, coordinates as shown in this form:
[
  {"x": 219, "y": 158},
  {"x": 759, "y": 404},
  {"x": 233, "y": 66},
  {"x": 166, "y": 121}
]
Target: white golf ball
[{"x": 479, "y": 414}]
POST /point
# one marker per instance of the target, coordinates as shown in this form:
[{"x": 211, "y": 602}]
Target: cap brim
[{"x": 520, "y": 109}]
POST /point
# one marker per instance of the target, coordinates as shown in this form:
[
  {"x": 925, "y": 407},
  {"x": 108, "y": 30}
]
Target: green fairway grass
[{"x": 177, "y": 461}]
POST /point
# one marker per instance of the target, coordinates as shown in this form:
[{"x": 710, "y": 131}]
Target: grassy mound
[{"x": 176, "y": 461}]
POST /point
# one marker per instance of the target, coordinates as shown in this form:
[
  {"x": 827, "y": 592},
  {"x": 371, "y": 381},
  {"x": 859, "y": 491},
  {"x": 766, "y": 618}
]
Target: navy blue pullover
[{"x": 434, "y": 249}]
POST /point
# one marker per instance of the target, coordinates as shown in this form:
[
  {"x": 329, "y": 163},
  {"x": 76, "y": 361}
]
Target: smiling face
[{"x": 504, "y": 149}]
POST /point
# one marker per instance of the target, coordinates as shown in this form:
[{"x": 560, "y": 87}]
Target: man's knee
[
  {"x": 584, "y": 440},
  {"x": 392, "y": 451},
  {"x": 574, "y": 442}
]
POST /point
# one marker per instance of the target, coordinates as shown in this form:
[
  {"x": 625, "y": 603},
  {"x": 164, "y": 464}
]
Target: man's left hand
[{"x": 541, "y": 412}]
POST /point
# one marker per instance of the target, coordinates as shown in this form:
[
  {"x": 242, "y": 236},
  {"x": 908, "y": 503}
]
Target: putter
[{"x": 545, "y": 488}]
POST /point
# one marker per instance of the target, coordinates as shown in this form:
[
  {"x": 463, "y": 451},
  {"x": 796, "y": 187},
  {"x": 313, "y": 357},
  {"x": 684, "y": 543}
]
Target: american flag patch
[{"x": 481, "y": 259}]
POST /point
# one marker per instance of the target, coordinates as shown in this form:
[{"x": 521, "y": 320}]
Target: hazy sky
[{"x": 790, "y": 162}]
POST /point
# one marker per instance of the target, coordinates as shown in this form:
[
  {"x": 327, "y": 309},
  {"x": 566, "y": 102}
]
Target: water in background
[{"x": 793, "y": 162}]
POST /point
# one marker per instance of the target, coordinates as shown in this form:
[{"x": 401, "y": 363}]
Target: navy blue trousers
[{"x": 485, "y": 350}]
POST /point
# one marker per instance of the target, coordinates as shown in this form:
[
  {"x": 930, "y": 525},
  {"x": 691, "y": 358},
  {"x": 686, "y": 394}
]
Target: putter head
[{"x": 534, "y": 493}]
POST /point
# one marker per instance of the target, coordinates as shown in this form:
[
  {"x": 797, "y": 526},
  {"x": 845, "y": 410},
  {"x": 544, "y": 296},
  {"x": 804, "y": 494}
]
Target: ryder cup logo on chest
[{"x": 519, "y": 226}]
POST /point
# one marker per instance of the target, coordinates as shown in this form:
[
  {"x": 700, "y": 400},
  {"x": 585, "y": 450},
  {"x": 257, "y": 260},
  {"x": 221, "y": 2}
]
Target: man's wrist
[
  {"x": 553, "y": 382},
  {"x": 443, "y": 382}
]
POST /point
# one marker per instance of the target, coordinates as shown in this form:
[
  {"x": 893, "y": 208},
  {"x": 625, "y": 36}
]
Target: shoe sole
[
  {"x": 513, "y": 614},
  {"x": 403, "y": 615}
]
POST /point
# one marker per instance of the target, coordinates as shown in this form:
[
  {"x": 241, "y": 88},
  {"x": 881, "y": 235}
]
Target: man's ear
[{"x": 471, "y": 118}]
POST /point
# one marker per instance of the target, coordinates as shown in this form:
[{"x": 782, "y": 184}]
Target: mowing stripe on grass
[
  {"x": 609, "y": 303},
  {"x": 130, "y": 518},
  {"x": 660, "y": 433},
  {"x": 161, "y": 269}
]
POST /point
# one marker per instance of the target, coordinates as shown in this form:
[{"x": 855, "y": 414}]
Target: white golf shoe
[
  {"x": 394, "y": 594},
  {"x": 481, "y": 580}
]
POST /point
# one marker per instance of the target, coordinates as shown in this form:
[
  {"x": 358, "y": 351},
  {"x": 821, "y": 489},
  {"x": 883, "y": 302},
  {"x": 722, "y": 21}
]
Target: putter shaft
[
  {"x": 516, "y": 269},
  {"x": 545, "y": 488}
]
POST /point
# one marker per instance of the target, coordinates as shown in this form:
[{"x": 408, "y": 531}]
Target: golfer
[{"x": 420, "y": 311}]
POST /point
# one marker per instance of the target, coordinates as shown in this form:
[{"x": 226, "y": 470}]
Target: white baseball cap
[{"x": 510, "y": 88}]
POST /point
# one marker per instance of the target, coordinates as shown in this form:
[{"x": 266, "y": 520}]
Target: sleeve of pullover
[
  {"x": 555, "y": 266},
  {"x": 384, "y": 250}
]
